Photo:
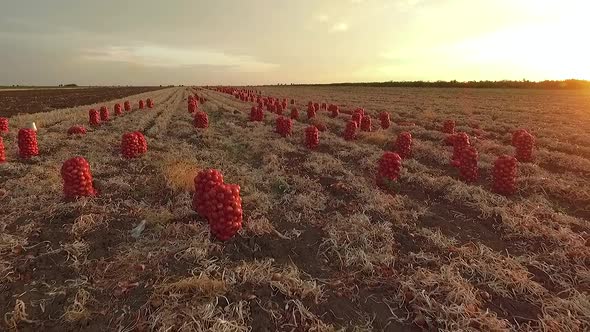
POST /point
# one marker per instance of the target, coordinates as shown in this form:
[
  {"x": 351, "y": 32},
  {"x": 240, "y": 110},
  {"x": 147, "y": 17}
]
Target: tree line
[{"x": 506, "y": 84}]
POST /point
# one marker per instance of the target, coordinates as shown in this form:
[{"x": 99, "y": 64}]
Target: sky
[{"x": 238, "y": 42}]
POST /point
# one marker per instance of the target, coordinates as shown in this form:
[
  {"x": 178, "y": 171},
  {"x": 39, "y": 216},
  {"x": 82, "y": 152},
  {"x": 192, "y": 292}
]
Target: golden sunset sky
[{"x": 143, "y": 42}]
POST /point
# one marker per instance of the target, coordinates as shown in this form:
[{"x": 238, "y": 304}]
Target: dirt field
[
  {"x": 322, "y": 247},
  {"x": 15, "y": 101}
]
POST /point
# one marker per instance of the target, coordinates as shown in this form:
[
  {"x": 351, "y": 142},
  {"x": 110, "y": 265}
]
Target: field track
[{"x": 322, "y": 247}]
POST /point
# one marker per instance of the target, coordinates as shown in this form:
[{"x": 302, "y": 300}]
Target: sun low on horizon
[{"x": 265, "y": 41}]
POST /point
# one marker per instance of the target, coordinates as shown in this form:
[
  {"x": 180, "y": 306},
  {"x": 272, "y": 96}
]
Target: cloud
[
  {"x": 407, "y": 5},
  {"x": 339, "y": 27},
  {"x": 171, "y": 57},
  {"x": 389, "y": 55},
  {"x": 322, "y": 18}
]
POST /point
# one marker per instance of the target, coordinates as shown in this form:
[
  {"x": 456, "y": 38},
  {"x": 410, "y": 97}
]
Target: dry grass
[
  {"x": 286, "y": 279},
  {"x": 379, "y": 138},
  {"x": 180, "y": 175},
  {"x": 77, "y": 311},
  {"x": 257, "y": 224},
  {"x": 85, "y": 224},
  {"x": 374, "y": 249},
  {"x": 201, "y": 285},
  {"x": 17, "y": 316}
]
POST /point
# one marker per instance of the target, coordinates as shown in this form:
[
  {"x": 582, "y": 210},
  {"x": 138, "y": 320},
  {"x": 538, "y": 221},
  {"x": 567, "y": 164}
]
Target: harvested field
[
  {"x": 322, "y": 247},
  {"x": 15, "y": 101}
]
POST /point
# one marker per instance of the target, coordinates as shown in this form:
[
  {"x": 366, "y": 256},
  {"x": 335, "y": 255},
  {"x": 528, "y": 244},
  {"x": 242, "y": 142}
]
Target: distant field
[
  {"x": 322, "y": 247},
  {"x": 10, "y": 88},
  {"x": 33, "y": 100}
]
